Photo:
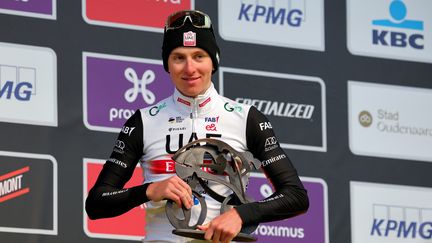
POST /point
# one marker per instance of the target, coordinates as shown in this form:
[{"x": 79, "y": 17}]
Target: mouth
[{"x": 190, "y": 79}]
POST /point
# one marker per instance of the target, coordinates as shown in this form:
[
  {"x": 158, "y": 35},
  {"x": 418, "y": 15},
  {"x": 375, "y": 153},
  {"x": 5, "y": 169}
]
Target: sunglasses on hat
[{"x": 178, "y": 19}]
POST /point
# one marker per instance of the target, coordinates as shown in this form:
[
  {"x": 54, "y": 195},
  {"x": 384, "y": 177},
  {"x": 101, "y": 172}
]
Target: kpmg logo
[
  {"x": 28, "y": 186},
  {"x": 298, "y": 111},
  {"x": 115, "y": 87},
  {"x": 123, "y": 14},
  {"x": 17, "y": 83},
  {"x": 31, "y": 8},
  {"x": 383, "y": 213},
  {"x": 28, "y": 85},
  {"x": 401, "y": 222},
  {"x": 396, "y": 29},
  {"x": 288, "y": 23},
  {"x": 309, "y": 227},
  {"x": 388, "y": 127}
]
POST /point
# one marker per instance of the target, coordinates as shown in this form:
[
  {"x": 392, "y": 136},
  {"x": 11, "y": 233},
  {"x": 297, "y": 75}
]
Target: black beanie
[{"x": 203, "y": 38}]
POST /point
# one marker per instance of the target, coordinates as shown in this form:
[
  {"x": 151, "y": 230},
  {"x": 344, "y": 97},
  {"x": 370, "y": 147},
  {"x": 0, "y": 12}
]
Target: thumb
[{"x": 203, "y": 227}]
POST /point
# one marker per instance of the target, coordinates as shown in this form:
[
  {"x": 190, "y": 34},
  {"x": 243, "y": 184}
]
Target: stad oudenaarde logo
[
  {"x": 116, "y": 86},
  {"x": 396, "y": 29},
  {"x": 389, "y": 127}
]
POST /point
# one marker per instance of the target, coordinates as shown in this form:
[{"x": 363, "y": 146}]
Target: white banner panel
[
  {"x": 390, "y": 121},
  {"x": 382, "y": 213}
]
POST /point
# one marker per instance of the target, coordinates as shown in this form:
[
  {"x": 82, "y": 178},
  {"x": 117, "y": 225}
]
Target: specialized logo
[
  {"x": 275, "y": 108},
  {"x": 28, "y": 85},
  {"x": 28, "y": 186},
  {"x": 135, "y": 218},
  {"x": 379, "y": 214},
  {"x": 31, "y": 8},
  {"x": 396, "y": 29},
  {"x": 11, "y": 184},
  {"x": 149, "y": 15},
  {"x": 309, "y": 227},
  {"x": 298, "y": 119},
  {"x": 280, "y": 23},
  {"x": 115, "y": 87},
  {"x": 388, "y": 127}
]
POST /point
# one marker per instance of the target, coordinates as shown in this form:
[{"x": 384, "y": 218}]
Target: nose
[{"x": 189, "y": 66}]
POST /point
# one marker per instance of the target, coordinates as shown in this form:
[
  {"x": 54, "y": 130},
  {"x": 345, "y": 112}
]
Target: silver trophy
[{"x": 190, "y": 167}]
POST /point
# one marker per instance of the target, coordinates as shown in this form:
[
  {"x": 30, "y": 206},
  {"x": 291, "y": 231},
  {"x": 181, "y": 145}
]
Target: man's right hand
[{"x": 172, "y": 188}]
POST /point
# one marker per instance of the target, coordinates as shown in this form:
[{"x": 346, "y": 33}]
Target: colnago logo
[
  {"x": 17, "y": 82},
  {"x": 398, "y": 31},
  {"x": 115, "y": 87},
  {"x": 282, "y": 109},
  {"x": 289, "y": 23},
  {"x": 401, "y": 222},
  {"x": 11, "y": 184}
]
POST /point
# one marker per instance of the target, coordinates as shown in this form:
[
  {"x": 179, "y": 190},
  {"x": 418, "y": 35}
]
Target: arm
[
  {"x": 290, "y": 198},
  {"x": 108, "y": 197}
]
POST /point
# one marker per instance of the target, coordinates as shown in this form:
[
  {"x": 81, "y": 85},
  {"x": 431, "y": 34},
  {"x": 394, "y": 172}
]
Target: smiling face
[{"x": 190, "y": 69}]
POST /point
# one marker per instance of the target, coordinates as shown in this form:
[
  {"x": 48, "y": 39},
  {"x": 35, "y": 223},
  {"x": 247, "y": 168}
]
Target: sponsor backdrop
[{"x": 346, "y": 85}]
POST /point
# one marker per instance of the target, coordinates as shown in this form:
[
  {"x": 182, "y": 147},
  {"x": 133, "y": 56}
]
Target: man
[{"x": 195, "y": 110}]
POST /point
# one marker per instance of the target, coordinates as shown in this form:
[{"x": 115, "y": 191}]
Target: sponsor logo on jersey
[
  {"x": 396, "y": 29},
  {"x": 286, "y": 23},
  {"x": 309, "y": 227},
  {"x": 389, "y": 213},
  {"x": 149, "y": 15},
  {"x": 297, "y": 119},
  {"x": 28, "y": 85},
  {"x": 24, "y": 192},
  {"x": 116, "y": 86},
  {"x": 31, "y": 8},
  {"x": 388, "y": 127},
  {"x": 177, "y": 119},
  {"x": 127, "y": 130}
]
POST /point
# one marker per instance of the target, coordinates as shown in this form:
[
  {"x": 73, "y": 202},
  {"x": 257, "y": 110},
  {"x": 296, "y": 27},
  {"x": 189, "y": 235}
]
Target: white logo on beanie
[{"x": 189, "y": 38}]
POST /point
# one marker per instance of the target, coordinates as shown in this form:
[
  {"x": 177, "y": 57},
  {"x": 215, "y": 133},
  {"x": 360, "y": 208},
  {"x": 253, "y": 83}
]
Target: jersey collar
[{"x": 201, "y": 104}]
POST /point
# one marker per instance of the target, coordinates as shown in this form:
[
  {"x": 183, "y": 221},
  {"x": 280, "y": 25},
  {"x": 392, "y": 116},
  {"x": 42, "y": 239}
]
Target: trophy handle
[{"x": 183, "y": 223}]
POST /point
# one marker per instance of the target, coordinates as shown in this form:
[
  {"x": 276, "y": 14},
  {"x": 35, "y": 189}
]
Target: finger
[
  {"x": 208, "y": 233},
  {"x": 216, "y": 236},
  {"x": 203, "y": 227}
]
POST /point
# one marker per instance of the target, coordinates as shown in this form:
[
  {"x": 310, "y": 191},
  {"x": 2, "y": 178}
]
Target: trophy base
[{"x": 198, "y": 234}]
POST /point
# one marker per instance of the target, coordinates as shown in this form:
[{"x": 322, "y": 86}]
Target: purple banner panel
[
  {"x": 44, "y": 7},
  {"x": 309, "y": 227},
  {"x": 115, "y": 87}
]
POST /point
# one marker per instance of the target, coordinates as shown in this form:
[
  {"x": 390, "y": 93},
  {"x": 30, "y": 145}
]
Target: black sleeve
[
  {"x": 290, "y": 197},
  {"x": 108, "y": 197}
]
